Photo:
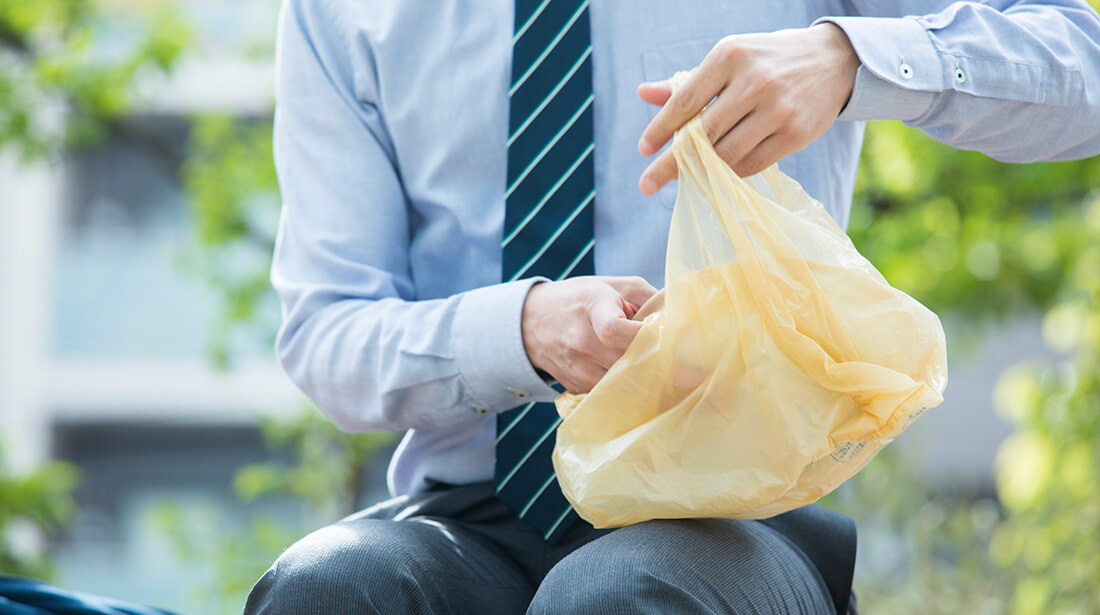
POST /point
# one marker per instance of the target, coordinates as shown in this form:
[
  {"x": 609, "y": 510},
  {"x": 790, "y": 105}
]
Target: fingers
[
  {"x": 659, "y": 172},
  {"x": 587, "y": 338},
  {"x": 634, "y": 289},
  {"x": 744, "y": 137},
  {"x": 702, "y": 85},
  {"x": 655, "y": 92},
  {"x": 761, "y": 97},
  {"x": 751, "y": 146},
  {"x": 730, "y": 105},
  {"x": 717, "y": 119},
  {"x": 581, "y": 359},
  {"x": 614, "y": 332},
  {"x": 764, "y": 155},
  {"x": 610, "y": 323},
  {"x": 749, "y": 131},
  {"x": 725, "y": 112}
]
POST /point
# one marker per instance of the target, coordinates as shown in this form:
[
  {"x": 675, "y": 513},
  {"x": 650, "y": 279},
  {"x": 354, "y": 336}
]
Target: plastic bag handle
[
  {"x": 695, "y": 125},
  {"x": 655, "y": 304}
]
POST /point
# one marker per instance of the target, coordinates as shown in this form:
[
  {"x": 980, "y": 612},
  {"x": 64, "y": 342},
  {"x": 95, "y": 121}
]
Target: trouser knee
[
  {"x": 686, "y": 567},
  {"x": 332, "y": 573}
]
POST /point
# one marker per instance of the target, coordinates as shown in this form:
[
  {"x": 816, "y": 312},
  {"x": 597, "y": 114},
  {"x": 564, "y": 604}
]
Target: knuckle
[
  {"x": 763, "y": 83},
  {"x": 727, "y": 50},
  {"x": 729, "y": 151},
  {"x": 783, "y": 108},
  {"x": 795, "y": 133},
  {"x": 798, "y": 132},
  {"x": 605, "y": 332},
  {"x": 680, "y": 103},
  {"x": 772, "y": 88},
  {"x": 709, "y": 127},
  {"x": 749, "y": 167}
]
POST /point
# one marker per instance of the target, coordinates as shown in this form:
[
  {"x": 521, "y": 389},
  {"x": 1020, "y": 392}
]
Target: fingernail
[
  {"x": 649, "y": 187},
  {"x": 644, "y": 147}
]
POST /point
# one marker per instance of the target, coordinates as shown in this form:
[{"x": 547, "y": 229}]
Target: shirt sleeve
[
  {"x": 354, "y": 337},
  {"x": 1018, "y": 81}
]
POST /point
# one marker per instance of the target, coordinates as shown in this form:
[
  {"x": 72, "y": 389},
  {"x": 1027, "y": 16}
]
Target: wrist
[
  {"x": 840, "y": 56},
  {"x": 488, "y": 347},
  {"x": 528, "y": 326}
]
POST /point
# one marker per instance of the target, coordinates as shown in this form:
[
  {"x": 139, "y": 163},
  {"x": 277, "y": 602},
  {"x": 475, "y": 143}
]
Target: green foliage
[
  {"x": 923, "y": 546},
  {"x": 328, "y": 472},
  {"x": 972, "y": 238},
  {"x": 62, "y": 84},
  {"x": 62, "y": 54},
  {"x": 35, "y": 504},
  {"x": 964, "y": 234},
  {"x": 981, "y": 241},
  {"x": 1048, "y": 473},
  {"x": 229, "y": 558},
  {"x": 325, "y": 472},
  {"x": 230, "y": 178}
]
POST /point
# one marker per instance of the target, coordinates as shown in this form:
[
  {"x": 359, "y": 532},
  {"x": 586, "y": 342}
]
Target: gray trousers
[{"x": 460, "y": 550}]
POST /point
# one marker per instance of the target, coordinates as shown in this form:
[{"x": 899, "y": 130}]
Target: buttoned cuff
[
  {"x": 488, "y": 346},
  {"x": 878, "y": 99},
  {"x": 900, "y": 71}
]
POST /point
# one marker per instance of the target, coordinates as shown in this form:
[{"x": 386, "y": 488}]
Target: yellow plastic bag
[{"x": 780, "y": 362}]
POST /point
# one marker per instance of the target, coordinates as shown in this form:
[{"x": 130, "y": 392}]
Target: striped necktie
[{"x": 547, "y": 222}]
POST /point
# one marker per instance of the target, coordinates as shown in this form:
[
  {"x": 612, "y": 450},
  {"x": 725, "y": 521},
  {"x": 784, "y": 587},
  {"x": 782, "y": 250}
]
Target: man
[{"x": 454, "y": 173}]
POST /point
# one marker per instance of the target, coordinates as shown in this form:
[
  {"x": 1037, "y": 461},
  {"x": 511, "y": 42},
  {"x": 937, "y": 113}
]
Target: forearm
[
  {"x": 356, "y": 336},
  {"x": 385, "y": 364},
  {"x": 1020, "y": 82}
]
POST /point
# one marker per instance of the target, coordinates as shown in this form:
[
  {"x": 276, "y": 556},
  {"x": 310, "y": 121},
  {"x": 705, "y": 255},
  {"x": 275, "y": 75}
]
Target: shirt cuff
[
  {"x": 900, "y": 71},
  {"x": 488, "y": 345},
  {"x": 878, "y": 99}
]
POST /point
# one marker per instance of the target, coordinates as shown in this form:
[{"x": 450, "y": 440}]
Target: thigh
[
  {"x": 368, "y": 565},
  {"x": 686, "y": 566}
]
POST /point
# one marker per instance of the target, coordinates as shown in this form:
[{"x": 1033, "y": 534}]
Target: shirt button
[
  {"x": 520, "y": 394},
  {"x": 481, "y": 410},
  {"x": 905, "y": 71},
  {"x": 960, "y": 76}
]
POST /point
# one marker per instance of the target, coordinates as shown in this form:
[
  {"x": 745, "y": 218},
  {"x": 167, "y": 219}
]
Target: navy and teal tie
[{"x": 547, "y": 222}]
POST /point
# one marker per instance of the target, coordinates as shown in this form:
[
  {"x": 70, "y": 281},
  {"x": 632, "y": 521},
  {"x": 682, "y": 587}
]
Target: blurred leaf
[
  {"x": 53, "y": 53},
  {"x": 39, "y": 501}
]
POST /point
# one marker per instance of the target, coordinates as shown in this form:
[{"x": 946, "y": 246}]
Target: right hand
[{"x": 574, "y": 329}]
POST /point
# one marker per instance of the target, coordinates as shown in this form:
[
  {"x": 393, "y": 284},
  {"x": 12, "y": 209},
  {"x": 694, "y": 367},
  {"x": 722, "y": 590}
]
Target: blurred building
[{"x": 103, "y": 335}]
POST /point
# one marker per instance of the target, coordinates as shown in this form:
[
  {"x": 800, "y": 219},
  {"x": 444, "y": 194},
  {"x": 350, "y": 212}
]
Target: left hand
[{"x": 769, "y": 95}]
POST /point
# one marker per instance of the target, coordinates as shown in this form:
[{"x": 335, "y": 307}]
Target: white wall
[{"x": 29, "y": 203}]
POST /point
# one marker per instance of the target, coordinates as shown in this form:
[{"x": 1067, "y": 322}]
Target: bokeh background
[{"x": 150, "y": 448}]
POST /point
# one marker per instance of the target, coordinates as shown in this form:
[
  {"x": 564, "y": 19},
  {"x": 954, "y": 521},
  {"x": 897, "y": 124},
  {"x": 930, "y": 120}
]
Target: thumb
[
  {"x": 610, "y": 322},
  {"x": 634, "y": 290}
]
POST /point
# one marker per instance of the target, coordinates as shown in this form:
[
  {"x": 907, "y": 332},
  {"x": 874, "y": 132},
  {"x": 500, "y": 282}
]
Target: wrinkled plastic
[{"x": 779, "y": 364}]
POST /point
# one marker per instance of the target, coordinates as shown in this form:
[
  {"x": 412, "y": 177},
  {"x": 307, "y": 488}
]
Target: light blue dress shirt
[{"x": 390, "y": 132}]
